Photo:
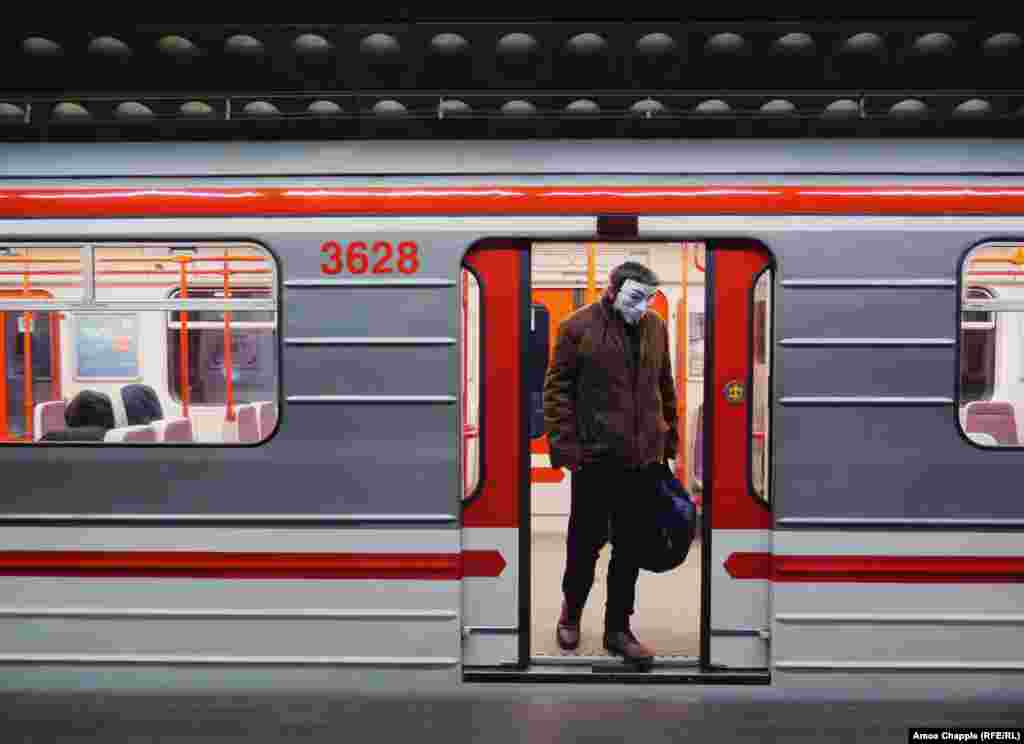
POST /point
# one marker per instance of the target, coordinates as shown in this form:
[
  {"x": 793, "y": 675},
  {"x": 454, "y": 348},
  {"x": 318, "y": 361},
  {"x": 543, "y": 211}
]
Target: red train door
[
  {"x": 495, "y": 613},
  {"x": 738, "y": 540}
]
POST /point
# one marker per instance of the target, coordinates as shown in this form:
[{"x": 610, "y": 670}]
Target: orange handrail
[
  {"x": 29, "y": 404},
  {"x": 55, "y": 367},
  {"x": 183, "y": 338},
  {"x": 128, "y": 272},
  {"x": 1017, "y": 258},
  {"x": 26, "y": 288},
  {"x": 193, "y": 259},
  {"x": 3, "y": 376},
  {"x": 229, "y": 406},
  {"x": 26, "y": 259},
  {"x": 682, "y": 349},
  {"x": 591, "y": 273}
]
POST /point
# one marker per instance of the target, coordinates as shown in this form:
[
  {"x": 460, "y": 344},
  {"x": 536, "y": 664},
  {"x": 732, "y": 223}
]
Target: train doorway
[{"x": 710, "y": 615}]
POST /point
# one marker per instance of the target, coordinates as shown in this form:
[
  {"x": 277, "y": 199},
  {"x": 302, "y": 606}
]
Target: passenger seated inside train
[
  {"x": 89, "y": 416},
  {"x": 141, "y": 404}
]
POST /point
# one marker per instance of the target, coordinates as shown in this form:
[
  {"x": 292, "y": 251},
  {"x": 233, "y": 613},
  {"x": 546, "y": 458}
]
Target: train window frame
[
  {"x": 761, "y": 497},
  {"x": 471, "y": 491},
  {"x": 87, "y": 303},
  {"x": 998, "y": 303}
]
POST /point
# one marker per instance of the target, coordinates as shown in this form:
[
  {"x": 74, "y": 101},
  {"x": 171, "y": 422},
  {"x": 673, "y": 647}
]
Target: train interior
[
  {"x": 565, "y": 277},
  {"x": 991, "y": 363},
  {"x": 112, "y": 362}
]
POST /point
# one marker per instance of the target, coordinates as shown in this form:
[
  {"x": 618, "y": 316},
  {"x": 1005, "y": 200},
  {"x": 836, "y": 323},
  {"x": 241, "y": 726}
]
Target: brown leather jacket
[{"x": 594, "y": 407}]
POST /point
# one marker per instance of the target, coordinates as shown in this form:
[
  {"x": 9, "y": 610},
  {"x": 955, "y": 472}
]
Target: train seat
[
  {"x": 176, "y": 429},
  {"x": 48, "y": 416},
  {"x": 131, "y": 434},
  {"x": 248, "y": 423},
  {"x": 981, "y": 438},
  {"x": 267, "y": 414},
  {"x": 996, "y": 418},
  {"x": 246, "y": 426}
]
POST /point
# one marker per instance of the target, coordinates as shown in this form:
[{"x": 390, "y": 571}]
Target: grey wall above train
[{"x": 428, "y": 158}]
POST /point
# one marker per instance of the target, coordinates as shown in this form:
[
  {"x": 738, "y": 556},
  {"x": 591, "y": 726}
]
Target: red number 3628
[{"x": 359, "y": 255}]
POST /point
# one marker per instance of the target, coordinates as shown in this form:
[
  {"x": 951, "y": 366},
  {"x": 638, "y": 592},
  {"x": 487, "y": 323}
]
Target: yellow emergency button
[{"x": 735, "y": 392}]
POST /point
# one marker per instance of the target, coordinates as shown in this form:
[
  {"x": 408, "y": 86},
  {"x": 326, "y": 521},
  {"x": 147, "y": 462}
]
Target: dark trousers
[{"x": 601, "y": 496}]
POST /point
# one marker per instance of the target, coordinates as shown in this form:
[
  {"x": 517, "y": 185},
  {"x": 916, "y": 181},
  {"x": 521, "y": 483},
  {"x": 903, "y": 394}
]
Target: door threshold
[
  {"x": 612, "y": 662},
  {"x": 612, "y": 671}
]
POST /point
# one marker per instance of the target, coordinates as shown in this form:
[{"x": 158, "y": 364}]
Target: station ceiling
[{"x": 450, "y": 77}]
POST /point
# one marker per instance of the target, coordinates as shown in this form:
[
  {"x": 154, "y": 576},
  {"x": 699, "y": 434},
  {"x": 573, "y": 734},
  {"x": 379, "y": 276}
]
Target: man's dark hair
[{"x": 631, "y": 270}]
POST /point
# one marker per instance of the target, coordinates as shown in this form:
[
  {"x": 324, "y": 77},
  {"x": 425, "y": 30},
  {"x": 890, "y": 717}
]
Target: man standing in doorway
[{"x": 610, "y": 415}]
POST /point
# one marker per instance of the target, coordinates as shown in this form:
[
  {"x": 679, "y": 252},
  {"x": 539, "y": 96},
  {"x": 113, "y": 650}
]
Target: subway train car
[{"x": 270, "y": 410}]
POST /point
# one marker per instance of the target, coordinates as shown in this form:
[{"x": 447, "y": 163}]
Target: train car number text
[{"x": 378, "y": 257}]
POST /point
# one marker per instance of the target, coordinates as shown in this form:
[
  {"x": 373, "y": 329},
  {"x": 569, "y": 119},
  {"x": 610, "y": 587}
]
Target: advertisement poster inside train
[{"x": 107, "y": 347}]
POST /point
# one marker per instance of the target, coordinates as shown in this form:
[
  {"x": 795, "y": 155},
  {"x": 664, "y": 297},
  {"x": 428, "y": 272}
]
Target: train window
[
  {"x": 138, "y": 343},
  {"x": 253, "y": 352},
  {"x": 991, "y": 381},
  {"x": 760, "y": 398},
  {"x": 470, "y": 387},
  {"x": 977, "y": 349}
]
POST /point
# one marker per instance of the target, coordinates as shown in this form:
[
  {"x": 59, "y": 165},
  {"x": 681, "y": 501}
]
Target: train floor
[{"x": 667, "y": 611}]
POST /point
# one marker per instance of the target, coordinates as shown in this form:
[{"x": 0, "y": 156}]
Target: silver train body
[{"x": 869, "y": 460}]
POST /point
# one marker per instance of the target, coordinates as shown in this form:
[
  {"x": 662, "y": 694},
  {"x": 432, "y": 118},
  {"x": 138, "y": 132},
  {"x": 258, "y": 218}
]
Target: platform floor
[
  {"x": 667, "y": 616},
  {"x": 503, "y": 714}
]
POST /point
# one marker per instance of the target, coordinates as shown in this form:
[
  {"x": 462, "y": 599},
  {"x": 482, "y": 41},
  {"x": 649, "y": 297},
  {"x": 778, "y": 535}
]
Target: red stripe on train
[
  {"x": 877, "y": 568},
  {"x": 201, "y": 565},
  {"x": 725, "y": 199}
]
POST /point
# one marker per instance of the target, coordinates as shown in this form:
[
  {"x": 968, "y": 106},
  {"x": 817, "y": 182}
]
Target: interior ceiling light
[
  {"x": 864, "y": 43},
  {"x": 844, "y": 108},
  {"x": 389, "y": 108},
  {"x": 177, "y": 46},
  {"x": 133, "y": 110},
  {"x": 517, "y": 44},
  {"x": 908, "y": 109},
  {"x": 973, "y": 108},
  {"x": 260, "y": 108},
  {"x": 311, "y": 45},
  {"x": 586, "y": 45},
  {"x": 794, "y": 43},
  {"x": 70, "y": 110},
  {"x": 244, "y": 45},
  {"x": 380, "y": 45},
  {"x": 37, "y": 46},
  {"x": 109, "y": 46},
  {"x": 324, "y": 108},
  {"x": 196, "y": 108},
  {"x": 518, "y": 108},
  {"x": 656, "y": 44},
  {"x": 449, "y": 45},
  {"x": 727, "y": 43},
  {"x": 935, "y": 44}
]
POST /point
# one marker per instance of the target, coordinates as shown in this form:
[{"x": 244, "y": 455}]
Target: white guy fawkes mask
[{"x": 632, "y": 300}]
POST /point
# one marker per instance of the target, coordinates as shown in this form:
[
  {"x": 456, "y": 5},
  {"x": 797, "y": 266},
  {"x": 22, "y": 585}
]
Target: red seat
[{"x": 995, "y": 418}]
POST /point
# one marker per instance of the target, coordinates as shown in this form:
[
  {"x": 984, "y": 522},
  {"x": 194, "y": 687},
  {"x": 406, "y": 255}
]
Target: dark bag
[{"x": 669, "y": 523}]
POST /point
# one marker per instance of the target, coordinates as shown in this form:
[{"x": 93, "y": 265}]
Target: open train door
[
  {"x": 495, "y": 557},
  {"x": 738, "y": 520}
]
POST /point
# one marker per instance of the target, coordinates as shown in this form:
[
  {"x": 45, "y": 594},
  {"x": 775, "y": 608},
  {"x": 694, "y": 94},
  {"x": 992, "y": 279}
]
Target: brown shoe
[
  {"x": 568, "y": 632},
  {"x": 626, "y": 645}
]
